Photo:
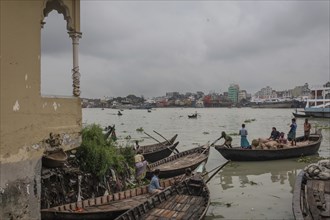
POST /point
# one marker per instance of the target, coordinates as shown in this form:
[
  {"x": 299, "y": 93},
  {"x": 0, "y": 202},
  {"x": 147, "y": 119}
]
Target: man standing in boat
[
  {"x": 307, "y": 129},
  {"x": 244, "y": 142},
  {"x": 292, "y": 132}
]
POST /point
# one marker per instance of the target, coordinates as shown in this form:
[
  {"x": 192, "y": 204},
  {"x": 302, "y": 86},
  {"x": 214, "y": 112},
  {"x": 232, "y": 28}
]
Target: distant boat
[
  {"x": 319, "y": 105},
  {"x": 149, "y": 110},
  {"x": 273, "y": 103},
  {"x": 192, "y": 116},
  {"x": 119, "y": 113}
]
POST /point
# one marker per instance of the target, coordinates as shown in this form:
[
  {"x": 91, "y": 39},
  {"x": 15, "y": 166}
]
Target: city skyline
[{"x": 150, "y": 48}]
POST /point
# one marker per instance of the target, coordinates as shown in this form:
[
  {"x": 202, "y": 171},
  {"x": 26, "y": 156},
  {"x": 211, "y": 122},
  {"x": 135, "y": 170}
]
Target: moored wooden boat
[
  {"x": 311, "y": 198},
  {"x": 155, "y": 152},
  {"x": 55, "y": 158},
  {"x": 303, "y": 148},
  {"x": 177, "y": 164},
  {"x": 104, "y": 207},
  {"x": 188, "y": 199},
  {"x": 297, "y": 115}
]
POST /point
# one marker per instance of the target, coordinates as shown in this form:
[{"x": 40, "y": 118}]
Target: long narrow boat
[
  {"x": 177, "y": 164},
  {"x": 303, "y": 148},
  {"x": 311, "y": 198},
  {"x": 188, "y": 199},
  {"x": 155, "y": 152},
  {"x": 104, "y": 207}
]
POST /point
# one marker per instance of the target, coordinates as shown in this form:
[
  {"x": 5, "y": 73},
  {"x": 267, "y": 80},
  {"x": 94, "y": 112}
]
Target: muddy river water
[{"x": 241, "y": 190}]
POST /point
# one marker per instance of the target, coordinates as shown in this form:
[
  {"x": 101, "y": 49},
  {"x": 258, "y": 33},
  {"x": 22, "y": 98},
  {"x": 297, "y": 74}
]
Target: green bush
[{"x": 97, "y": 155}]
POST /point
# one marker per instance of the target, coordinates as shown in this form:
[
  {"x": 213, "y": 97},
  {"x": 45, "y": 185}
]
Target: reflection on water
[
  {"x": 278, "y": 171},
  {"x": 242, "y": 190}
]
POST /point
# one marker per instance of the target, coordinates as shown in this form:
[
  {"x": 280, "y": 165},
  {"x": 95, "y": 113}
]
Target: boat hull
[
  {"x": 240, "y": 154},
  {"x": 161, "y": 154},
  {"x": 177, "y": 164},
  {"x": 318, "y": 112},
  {"x": 104, "y": 207},
  {"x": 189, "y": 199},
  {"x": 311, "y": 198},
  {"x": 155, "y": 152}
]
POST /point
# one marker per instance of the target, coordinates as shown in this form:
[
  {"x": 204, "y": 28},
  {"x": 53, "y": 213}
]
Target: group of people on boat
[{"x": 276, "y": 139}]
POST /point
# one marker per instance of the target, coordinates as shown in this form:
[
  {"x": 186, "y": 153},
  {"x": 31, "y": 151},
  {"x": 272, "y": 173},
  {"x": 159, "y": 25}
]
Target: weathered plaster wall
[{"x": 26, "y": 118}]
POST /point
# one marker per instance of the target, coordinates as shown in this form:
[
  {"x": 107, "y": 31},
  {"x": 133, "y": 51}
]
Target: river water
[{"x": 242, "y": 190}]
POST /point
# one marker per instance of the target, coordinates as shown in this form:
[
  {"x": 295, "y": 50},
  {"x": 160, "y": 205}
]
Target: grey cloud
[{"x": 149, "y": 48}]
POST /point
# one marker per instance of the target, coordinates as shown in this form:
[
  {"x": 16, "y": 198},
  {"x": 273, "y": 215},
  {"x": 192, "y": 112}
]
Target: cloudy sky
[{"x": 152, "y": 47}]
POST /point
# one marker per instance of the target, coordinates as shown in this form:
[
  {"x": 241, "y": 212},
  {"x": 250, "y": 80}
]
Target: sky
[{"x": 148, "y": 48}]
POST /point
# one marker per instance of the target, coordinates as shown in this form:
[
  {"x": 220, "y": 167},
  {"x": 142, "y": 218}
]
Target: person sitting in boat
[
  {"x": 244, "y": 142},
  {"x": 140, "y": 166},
  {"x": 292, "y": 132},
  {"x": 227, "y": 138},
  {"x": 282, "y": 139},
  {"x": 274, "y": 135},
  {"x": 307, "y": 129},
  {"x": 154, "y": 186}
]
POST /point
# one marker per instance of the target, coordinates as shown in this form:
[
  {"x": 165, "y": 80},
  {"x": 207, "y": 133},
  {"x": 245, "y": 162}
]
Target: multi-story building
[
  {"x": 27, "y": 118},
  {"x": 233, "y": 91},
  {"x": 242, "y": 95}
]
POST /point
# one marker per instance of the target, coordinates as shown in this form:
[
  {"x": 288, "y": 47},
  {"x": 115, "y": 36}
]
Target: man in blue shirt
[
  {"x": 292, "y": 132},
  {"x": 154, "y": 186}
]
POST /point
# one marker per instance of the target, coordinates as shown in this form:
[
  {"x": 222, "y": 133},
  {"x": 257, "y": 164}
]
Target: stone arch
[{"x": 61, "y": 8}]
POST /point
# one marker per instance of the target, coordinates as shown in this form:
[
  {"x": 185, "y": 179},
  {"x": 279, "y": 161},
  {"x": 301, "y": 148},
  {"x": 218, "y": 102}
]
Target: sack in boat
[{"x": 255, "y": 143}]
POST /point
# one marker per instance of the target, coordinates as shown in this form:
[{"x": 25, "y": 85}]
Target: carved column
[{"x": 75, "y": 36}]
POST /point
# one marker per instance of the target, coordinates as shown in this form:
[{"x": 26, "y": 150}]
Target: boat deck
[
  {"x": 117, "y": 205},
  {"x": 178, "y": 207},
  {"x": 185, "y": 161},
  {"x": 317, "y": 198}
]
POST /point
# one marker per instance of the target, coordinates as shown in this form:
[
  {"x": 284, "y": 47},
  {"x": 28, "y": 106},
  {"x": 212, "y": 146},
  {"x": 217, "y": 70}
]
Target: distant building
[
  {"x": 233, "y": 91},
  {"x": 266, "y": 93},
  {"x": 172, "y": 95},
  {"x": 242, "y": 95},
  {"x": 301, "y": 91}
]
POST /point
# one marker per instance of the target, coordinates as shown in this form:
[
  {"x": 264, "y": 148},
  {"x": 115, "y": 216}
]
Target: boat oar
[
  {"x": 204, "y": 174},
  {"x": 159, "y": 142},
  {"x": 215, "y": 142},
  {"x": 166, "y": 140},
  {"x": 217, "y": 171}
]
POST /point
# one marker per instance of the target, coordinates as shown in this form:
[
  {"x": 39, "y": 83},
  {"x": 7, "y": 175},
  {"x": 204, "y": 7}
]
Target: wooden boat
[
  {"x": 177, "y": 164},
  {"x": 188, "y": 199},
  {"x": 155, "y": 152},
  {"x": 55, "y": 158},
  {"x": 311, "y": 198},
  {"x": 303, "y": 148},
  {"x": 192, "y": 116},
  {"x": 104, "y": 207},
  {"x": 297, "y": 115}
]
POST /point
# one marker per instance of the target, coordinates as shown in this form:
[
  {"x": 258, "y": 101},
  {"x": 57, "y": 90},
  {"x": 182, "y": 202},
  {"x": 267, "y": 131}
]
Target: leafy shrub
[{"x": 97, "y": 155}]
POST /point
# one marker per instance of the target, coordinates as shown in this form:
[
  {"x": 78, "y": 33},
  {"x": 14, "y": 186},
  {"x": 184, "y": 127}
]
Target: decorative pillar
[{"x": 75, "y": 71}]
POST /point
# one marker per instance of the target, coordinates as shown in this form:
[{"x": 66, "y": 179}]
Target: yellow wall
[{"x": 26, "y": 117}]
